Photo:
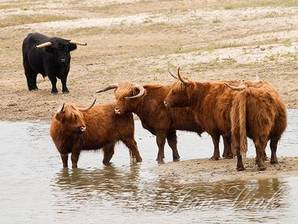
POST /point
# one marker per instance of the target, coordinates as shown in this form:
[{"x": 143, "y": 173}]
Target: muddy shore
[
  {"x": 205, "y": 170},
  {"x": 136, "y": 40}
]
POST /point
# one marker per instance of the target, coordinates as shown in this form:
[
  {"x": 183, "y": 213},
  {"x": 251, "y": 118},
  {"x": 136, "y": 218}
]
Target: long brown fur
[
  {"x": 103, "y": 129},
  {"x": 262, "y": 115},
  {"x": 155, "y": 116}
]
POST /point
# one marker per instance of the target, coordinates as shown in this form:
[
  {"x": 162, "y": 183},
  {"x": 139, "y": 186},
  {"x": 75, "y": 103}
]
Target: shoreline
[{"x": 206, "y": 170}]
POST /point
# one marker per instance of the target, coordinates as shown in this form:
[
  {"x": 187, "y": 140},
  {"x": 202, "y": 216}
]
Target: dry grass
[
  {"x": 141, "y": 52},
  {"x": 14, "y": 20}
]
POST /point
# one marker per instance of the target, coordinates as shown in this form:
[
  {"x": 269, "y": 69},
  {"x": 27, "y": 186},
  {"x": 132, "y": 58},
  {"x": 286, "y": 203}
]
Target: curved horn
[
  {"x": 179, "y": 76},
  {"x": 78, "y": 43},
  {"x": 141, "y": 92},
  {"x": 86, "y": 109},
  {"x": 114, "y": 86},
  {"x": 238, "y": 88},
  {"x": 46, "y": 44},
  {"x": 62, "y": 108},
  {"x": 171, "y": 74}
]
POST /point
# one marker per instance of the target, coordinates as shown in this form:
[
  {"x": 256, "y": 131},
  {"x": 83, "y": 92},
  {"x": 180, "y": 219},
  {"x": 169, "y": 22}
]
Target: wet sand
[{"x": 205, "y": 170}]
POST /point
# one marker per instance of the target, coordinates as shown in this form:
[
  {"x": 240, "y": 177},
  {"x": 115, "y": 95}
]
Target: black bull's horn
[
  {"x": 46, "y": 44},
  {"x": 78, "y": 43}
]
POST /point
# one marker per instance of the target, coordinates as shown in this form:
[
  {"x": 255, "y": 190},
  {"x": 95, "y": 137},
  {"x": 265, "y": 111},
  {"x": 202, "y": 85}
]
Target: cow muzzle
[
  {"x": 165, "y": 103},
  {"x": 82, "y": 129},
  {"x": 117, "y": 111}
]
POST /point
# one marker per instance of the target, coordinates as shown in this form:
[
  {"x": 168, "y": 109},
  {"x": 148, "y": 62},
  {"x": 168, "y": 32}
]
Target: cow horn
[
  {"x": 141, "y": 92},
  {"x": 179, "y": 76},
  {"x": 238, "y": 88},
  {"x": 78, "y": 43},
  {"x": 86, "y": 109},
  {"x": 62, "y": 108},
  {"x": 114, "y": 86},
  {"x": 46, "y": 44},
  {"x": 171, "y": 74}
]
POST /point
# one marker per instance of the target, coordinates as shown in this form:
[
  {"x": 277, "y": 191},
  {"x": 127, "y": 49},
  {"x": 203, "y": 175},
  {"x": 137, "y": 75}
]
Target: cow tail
[{"x": 238, "y": 124}]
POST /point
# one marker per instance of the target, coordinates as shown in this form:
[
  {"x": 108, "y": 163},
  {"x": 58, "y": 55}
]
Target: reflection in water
[
  {"x": 124, "y": 188},
  {"x": 31, "y": 190}
]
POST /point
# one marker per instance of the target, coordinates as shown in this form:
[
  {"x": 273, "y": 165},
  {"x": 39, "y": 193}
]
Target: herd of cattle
[{"x": 234, "y": 110}]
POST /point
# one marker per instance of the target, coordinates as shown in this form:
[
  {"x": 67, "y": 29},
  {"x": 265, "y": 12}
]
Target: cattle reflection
[{"x": 130, "y": 188}]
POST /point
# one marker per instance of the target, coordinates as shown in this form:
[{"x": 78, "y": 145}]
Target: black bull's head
[{"x": 60, "y": 48}]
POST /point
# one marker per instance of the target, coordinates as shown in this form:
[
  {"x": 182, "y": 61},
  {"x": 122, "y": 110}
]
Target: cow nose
[
  {"x": 165, "y": 103},
  {"x": 117, "y": 111},
  {"x": 83, "y": 128}
]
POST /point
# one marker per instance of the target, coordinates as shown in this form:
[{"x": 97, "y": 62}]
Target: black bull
[{"x": 49, "y": 56}]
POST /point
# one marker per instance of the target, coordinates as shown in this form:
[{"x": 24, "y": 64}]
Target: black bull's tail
[{"x": 238, "y": 124}]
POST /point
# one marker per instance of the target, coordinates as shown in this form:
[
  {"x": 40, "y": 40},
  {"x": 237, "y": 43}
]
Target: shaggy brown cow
[
  {"x": 254, "y": 110},
  {"x": 74, "y": 129},
  {"x": 147, "y": 102}
]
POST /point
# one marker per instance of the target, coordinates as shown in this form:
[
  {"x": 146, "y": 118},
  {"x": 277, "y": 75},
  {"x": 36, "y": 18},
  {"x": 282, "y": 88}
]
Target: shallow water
[{"x": 34, "y": 188}]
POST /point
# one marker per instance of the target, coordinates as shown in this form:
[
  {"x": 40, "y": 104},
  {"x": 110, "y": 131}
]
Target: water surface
[{"x": 35, "y": 189}]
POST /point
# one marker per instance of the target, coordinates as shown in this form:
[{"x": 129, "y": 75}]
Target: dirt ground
[
  {"x": 205, "y": 170},
  {"x": 136, "y": 40}
]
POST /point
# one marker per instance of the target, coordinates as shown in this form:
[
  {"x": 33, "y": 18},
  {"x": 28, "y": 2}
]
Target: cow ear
[
  {"x": 60, "y": 116},
  {"x": 72, "y": 46}
]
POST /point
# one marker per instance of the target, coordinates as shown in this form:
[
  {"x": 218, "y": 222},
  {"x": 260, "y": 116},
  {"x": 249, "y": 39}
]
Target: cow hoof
[
  {"x": 214, "y": 158},
  {"x": 160, "y": 161},
  {"x": 65, "y": 91},
  {"x": 54, "y": 92},
  {"x": 274, "y": 161},
  {"x": 139, "y": 160},
  {"x": 261, "y": 168},
  {"x": 241, "y": 168},
  {"x": 176, "y": 158},
  {"x": 107, "y": 163},
  {"x": 228, "y": 157}
]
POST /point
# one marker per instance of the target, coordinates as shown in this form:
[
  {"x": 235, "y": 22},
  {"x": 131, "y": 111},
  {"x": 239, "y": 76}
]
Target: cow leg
[
  {"x": 64, "y": 158},
  {"x": 75, "y": 154},
  {"x": 53, "y": 80},
  {"x": 64, "y": 87},
  {"x": 240, "y": 166},
  {"x": 160, "y": 140},
  {"x": 133, "y": 148},
  {"x": 31, "y": 81},
  {"x": 172, "y": 141},
  {"x": 108, "y": 152},
  {"x": 260, "y": 149},
  {"x": 30, "y": 75},
  {"x": 227, "y": 154},
  {"x": 215, "y": 139},
  {"x": 273, "y": 147}
]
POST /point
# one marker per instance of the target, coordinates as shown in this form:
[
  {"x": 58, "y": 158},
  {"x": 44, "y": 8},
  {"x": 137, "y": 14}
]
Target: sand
[
  {"x": 137, "y": 40},
  {"x": 205, "y": 170}
]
